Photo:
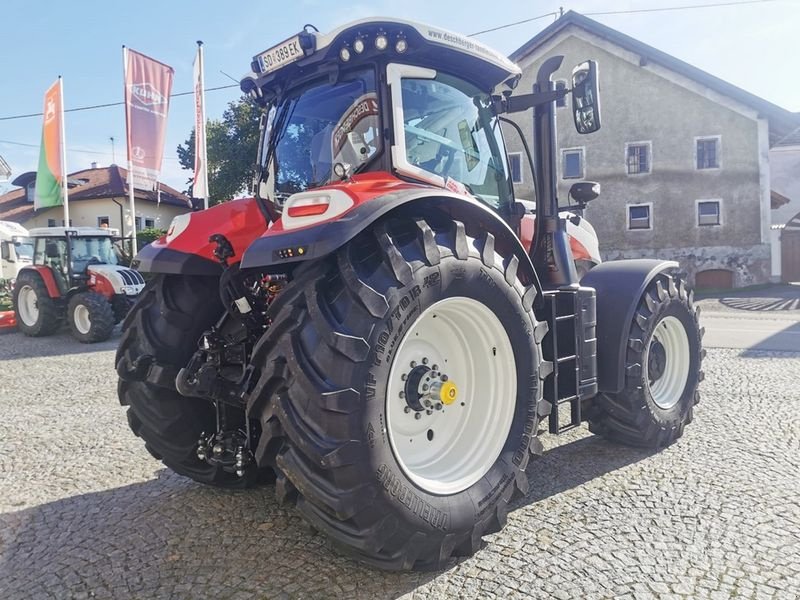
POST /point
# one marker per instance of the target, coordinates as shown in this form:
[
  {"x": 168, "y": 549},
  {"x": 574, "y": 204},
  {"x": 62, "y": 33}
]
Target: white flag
[{"x": 200, "y": 186}]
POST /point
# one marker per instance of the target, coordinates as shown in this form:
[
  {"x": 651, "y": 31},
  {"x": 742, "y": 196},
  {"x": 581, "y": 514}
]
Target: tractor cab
[
  {"x": 391, "y": 99},
  {"x": 68, "y": 252}
]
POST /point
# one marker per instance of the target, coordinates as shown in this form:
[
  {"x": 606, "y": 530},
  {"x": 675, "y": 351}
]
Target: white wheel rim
[
  {"x": 667, "y": 389},
  {"x": 468, "y": 344},
  {"x": 28, "y": 305},
  {"x": 81, "y": 318}
]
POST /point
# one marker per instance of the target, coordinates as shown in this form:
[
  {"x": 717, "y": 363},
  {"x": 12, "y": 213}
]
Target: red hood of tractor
[{"x": 241, "y": 221}]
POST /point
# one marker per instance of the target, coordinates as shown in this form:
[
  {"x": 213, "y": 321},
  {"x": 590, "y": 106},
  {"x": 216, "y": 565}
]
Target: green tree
[{"x": 232, "y": 145}]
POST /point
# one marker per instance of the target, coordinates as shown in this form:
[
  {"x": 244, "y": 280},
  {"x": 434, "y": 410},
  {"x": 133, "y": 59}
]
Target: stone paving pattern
[{"x": 85, "y": 512}]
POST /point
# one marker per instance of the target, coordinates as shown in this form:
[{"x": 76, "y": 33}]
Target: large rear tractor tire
[
  {"x": 163, "y": 327},
  {"x": 90, "y": 317},
  {"x": 399, "y": 390},
  {"x": 662, "y": 370},
  {"x": 36, "y": 312}
]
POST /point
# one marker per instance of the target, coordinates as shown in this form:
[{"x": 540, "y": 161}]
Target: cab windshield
[
  {"x": 325, "y": 123},
  {"x": 23, "y": 248},
  {"x": 85, "y": 250}
]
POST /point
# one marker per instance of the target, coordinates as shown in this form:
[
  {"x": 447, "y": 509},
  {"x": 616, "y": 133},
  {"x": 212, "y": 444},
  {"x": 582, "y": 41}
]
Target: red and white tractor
[
  {"x": 384, "y": 327},
  {"x": 74, "y": 276}
]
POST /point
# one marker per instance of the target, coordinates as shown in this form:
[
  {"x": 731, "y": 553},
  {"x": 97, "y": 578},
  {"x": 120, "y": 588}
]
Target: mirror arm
[{"x": 515, "y": 104}]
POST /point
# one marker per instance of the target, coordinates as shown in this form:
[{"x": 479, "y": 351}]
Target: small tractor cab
[
  {"x": 74, "y": 273},
  {"x": 384, "y": 326}
]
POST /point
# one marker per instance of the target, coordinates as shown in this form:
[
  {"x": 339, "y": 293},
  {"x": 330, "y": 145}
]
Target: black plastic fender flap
[
  {"x": 316, "y": 241},
  {"x": 619, "y": 285},
  {"x": 166, "y": 260}
]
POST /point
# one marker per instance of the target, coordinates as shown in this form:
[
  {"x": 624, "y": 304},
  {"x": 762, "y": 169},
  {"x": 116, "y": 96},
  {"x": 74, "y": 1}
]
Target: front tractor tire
[
  {"x": 159, "y": 336},
  {"x": 37, "y": 314},
  {"x": 399, "y": 391},
  {"x": 662, "y": 370},
  {"x": 90, "y": 317}
]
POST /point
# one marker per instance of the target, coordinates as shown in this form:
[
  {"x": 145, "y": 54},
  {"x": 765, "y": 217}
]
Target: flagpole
[
  {"x": 203, "y": 121},
  {"x": 65, "y": 182},
  {"x": 131, "y": 199}
]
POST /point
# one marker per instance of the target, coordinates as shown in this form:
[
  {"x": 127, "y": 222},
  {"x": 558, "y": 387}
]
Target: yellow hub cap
[{"x": 448, "y": 393}]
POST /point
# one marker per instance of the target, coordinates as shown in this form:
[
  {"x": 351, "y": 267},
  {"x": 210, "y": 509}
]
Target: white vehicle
[
  {"x": 74, "y": 273},
  {"x": 16, "y": 250}
]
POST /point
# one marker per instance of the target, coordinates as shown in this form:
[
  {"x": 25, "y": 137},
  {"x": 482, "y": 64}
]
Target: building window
[
  {"x": 639, "y": 216},
  {"x": 709, "y": 213},
  {"x": 103, "y": 221},
  {"x": 515, "y": 166},
  {"x": 138, "y": 222},
  {"x": 637, "y": 157},
  {"x": 707, "y": 150},
  {"x": 572, "y": 164},
  {"x": 30, "y": 191},
  {"x": 149, "y": 223},
  {"x": 62, "y": 223},
  {"x": 561, "y": 85},
  {"x": 51, "y": 222}
]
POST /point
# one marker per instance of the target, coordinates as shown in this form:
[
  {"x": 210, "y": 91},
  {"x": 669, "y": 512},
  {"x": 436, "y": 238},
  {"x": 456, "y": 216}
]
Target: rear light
[{"x": 308, "y": 207}]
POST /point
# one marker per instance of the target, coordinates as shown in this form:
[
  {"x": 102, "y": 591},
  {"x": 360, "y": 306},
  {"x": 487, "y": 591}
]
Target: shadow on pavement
[
  {"x": 778, "y": 298},
  {"x": 15, "y": 345},
  {"x": 174, "y": 537},
  {"x": 575, "y": 463},
  {"x": 783, "y": 344}
]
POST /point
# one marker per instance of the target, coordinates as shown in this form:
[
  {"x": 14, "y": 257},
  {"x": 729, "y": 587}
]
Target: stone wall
[{"x": 750, "y": 265}]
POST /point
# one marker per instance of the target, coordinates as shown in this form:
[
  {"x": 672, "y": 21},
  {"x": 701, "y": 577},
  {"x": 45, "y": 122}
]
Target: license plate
[{"x": 280, "y": 55}]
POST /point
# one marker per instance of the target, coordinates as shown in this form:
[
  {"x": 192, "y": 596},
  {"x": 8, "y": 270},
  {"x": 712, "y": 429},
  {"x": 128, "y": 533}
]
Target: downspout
[{"x": 121, "y": 218}]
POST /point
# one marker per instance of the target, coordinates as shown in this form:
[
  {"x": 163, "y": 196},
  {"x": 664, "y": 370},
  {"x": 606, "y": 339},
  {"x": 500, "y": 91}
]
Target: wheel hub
[
  {"x": 668, "y": 362},
  {"x": 656, "y": 360},
  {"x": 427, "y": 388}
]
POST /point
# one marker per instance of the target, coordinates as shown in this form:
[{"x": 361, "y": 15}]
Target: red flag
[{"x": 148, "y": 84}]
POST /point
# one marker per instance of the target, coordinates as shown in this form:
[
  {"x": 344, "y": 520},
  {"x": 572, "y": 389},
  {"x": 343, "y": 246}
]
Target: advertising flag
[
  {"x": 148, "y": 84},
  {"x": 50, "y": 175},
  {"x": 200, "y": 185}
]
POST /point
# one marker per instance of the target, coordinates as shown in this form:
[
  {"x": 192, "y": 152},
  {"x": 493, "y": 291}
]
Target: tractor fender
[
  {"x": 186, "y": 249},
  {"x": 47, "y": 277},
  {"x": 278, "y": 246},
  {"x": 619, "y": 285}
]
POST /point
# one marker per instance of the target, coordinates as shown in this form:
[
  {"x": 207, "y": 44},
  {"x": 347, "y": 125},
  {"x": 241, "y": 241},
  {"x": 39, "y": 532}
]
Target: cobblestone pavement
[{"x": 86, "y": 512}]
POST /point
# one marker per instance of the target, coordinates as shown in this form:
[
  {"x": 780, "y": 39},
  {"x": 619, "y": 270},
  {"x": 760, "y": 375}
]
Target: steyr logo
[
  {"x": 147, "y": 94},
  {"x": 51, "y": 110}
]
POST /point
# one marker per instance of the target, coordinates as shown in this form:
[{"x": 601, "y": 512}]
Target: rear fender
[
  {"x": 185, "y": 248},
  {"x": 47, "y": 277},
  {"x": 277, "y": 247},
  {"x": 619, "y": 285}
]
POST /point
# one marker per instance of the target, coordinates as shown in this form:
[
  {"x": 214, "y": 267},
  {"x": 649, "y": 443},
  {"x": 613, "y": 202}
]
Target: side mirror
[
  {"x": 585, "y": 97},
  {"x": 584, "y": 192}
]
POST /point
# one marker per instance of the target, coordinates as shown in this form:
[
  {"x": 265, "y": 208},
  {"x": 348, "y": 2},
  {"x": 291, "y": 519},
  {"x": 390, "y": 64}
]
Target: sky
[{"x": 752, "y": 46}]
